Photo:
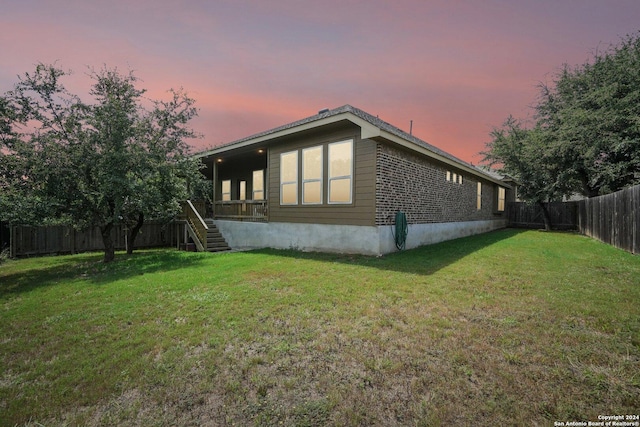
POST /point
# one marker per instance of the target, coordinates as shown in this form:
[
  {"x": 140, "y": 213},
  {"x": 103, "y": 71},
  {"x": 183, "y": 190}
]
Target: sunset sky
[{"x": 456, "y": 68}]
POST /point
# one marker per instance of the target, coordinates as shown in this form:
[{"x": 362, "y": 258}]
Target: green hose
[{"x": 400, "y": 231}]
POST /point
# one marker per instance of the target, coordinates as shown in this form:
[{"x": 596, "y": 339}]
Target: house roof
[
  {"x": 371, "y": 127},
  {"x": 498, "y": 174}
]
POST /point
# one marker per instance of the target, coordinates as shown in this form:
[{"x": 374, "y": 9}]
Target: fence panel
[
  {"x": 613, "y": 218},
  {"x": 564, "y": 216},
  {"x": 46, "y": 240}
]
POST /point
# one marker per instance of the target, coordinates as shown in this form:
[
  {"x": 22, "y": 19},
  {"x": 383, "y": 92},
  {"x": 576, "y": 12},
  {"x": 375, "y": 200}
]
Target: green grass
[{"x": 506, "y": 328}]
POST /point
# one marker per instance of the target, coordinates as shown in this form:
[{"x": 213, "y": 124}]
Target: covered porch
[{"x": 239, "y": 179}]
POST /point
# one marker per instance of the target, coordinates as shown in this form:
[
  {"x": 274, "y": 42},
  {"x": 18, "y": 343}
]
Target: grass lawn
[{"x": 507, "y": 328}]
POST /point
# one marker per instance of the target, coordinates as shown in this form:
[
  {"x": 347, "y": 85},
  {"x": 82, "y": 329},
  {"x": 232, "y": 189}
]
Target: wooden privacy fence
[
  {"x": 613, "y": 218},
  {"x": 46, "y": 240},
  {"x": 564, "y": 215}
]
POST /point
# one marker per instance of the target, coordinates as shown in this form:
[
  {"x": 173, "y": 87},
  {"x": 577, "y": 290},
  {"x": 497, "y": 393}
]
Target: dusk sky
[{"x": 456, "y": 68}]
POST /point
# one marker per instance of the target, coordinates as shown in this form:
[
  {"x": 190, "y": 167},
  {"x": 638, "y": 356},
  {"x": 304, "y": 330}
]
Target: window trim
[
  {"x": 331, "y": 179},
  {"x": 319, "y": 179},
  {"x": 295, "y": 182}
]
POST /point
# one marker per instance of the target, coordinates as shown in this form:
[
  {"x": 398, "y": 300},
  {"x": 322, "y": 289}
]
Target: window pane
[
  {"x": 258, "y": 181},
  {"x": 289, "y": 167},
  {"x": 289, "y": 178},
  {"x": 340, "y": 190},
  {"x": 479, "y": 203},
  {"x": 289, "y": 194},
  {"x": 312, "y": 163},
  {"x": 312, "y": 175},
  {"x": 340, "y": 159},
  {"x": 258, "y": 195},
  {"x": 243, "y": 190},
  {"x": 226, "y": 190},
  {"x": 311, "y": 192}
]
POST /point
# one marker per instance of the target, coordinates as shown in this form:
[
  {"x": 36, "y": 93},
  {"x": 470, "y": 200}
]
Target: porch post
[
  {"x": 215, "y": 183},
  {"x": 267, "y": 182}
]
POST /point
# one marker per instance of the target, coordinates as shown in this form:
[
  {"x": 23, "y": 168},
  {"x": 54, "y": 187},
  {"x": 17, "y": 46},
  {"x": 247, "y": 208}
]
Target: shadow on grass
[
  {"x": 90, "y": 268},
  {"x": 424, "y": 260}
]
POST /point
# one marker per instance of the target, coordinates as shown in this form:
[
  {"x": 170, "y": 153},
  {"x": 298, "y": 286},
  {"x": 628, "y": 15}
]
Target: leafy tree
[
  {"x": 522, "y": 152},
  {"x": 592, "y": 112},
  {"x": 586, "y": 136},
  {"x": 118, "y": 160}
]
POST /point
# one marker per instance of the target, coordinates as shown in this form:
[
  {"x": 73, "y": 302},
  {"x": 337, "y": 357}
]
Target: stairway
[
  {"x": 215, "y": 240},
  {"x": 204, "y": 232}
]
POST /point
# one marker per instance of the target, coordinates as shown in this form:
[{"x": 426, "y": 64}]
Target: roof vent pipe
[{"x": 325, "y": 110}]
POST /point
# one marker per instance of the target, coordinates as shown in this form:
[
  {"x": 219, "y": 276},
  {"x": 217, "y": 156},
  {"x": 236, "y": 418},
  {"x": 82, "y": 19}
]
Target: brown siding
[
  {"x": 418, "y": 187},
  {"x": 360, "y": 212}
]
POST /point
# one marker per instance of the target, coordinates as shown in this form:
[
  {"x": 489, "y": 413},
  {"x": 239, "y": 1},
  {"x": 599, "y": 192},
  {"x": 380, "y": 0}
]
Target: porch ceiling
[{"x": 254, "y": 157}]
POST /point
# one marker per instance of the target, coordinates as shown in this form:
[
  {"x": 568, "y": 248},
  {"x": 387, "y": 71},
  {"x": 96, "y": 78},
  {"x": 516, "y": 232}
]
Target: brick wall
[{"x": 419, "y": 188}]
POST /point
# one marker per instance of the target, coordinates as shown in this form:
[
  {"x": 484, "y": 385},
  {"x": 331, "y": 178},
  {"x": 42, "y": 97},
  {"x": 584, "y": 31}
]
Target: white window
[
  {"x": 340, "y": 172},
  {"x": 501, "y": 195},
  {"x": 312, "y": 175},
  {"x": 448, "y": 175},
  {"x": 258, "y": 185},
  {"x": 479, "y": 201},
  {"x": 460, "y": 179},
  {"x": 289, "y": 178},
  {"x": 226, "y": 190}
]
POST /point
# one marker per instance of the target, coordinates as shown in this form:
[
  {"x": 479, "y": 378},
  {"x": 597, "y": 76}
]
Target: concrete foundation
[{"x": 367, "y": 240}]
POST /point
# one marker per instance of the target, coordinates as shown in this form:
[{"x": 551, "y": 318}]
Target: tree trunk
[
  {"x": 545, "y": 216},
  {"x": 109, "y": 246},
  {"x": 587, "y": 189},
  {"x": 134, "y": 233}
]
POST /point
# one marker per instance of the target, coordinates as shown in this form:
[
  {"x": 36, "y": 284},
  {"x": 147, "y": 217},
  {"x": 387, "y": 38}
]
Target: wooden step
[{"x": 215, "y": 240}]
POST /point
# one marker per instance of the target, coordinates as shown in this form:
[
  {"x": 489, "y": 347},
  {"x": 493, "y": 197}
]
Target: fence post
[{"x": 11, "y": 249}]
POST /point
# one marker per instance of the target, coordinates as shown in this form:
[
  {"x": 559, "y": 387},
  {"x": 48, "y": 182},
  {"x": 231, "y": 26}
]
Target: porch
[
  {"x": 235, "y": 210},
  {"x": 239, "y": 188}
]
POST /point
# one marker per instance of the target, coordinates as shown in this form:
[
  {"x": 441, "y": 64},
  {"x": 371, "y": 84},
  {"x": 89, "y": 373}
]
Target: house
[
  {"x": 335, "y": 181},
  {"x": 505, "y": 178}
]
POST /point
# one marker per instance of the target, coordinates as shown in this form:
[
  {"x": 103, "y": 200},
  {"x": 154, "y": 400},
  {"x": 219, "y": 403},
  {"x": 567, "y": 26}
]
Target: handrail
[
  {"x": 198, "y": 225},
  {"x": 195, "y": 211},
  {"x": 194, "y": 234}
]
